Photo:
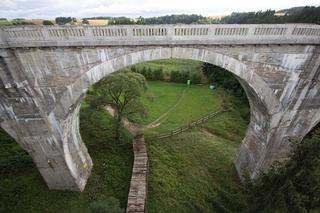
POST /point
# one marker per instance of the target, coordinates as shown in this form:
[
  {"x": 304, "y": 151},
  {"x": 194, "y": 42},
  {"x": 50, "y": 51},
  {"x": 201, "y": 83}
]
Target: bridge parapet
[{"x": 113, "y": 35}]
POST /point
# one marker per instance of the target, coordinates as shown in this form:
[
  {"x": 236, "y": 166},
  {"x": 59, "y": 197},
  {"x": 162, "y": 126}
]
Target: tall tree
[
  {"x": 65, "y": 20},
  {"x": 122, "y": 91}
]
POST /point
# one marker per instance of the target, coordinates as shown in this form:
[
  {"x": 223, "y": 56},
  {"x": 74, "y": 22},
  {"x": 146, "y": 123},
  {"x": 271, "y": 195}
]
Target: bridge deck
[{"x": 111, "y": 35}]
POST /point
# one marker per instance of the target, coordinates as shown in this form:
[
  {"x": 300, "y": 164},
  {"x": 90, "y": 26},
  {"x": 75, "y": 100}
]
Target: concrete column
[
  {"x": 55, "y": 147},
  {"x": 269, "y": 136},
  {"x": 52, "y": 140}
]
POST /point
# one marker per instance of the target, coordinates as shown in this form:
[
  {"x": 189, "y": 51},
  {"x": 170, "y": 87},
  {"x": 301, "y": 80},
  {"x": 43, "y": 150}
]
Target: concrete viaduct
[{"x": 46, "y": 71}]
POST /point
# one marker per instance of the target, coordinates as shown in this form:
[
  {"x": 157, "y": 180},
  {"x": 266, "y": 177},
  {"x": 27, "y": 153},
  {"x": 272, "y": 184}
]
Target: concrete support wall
[
  {"x": 52, "y": 140},
  {"x": 42, "y": 89}
]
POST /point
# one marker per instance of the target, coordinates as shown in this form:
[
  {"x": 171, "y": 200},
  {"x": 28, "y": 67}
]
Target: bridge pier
[
  {"x": 258, "y": 151},
  {"x": 56, "y": 149}
]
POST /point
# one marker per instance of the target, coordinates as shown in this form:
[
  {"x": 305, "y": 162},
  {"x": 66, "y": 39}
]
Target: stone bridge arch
[
  {"x": 45, "y": 73},
  {"x": 67, "y": 109}
]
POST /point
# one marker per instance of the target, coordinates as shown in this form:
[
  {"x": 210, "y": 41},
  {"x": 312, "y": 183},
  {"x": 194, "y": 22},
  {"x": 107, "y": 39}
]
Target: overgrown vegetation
[
  {"x": 22, "y": 188},
  {"x": 290, "y": 186}
]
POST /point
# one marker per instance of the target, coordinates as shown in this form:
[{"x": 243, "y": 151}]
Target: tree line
[
  {"x": 308, "y": 14},
  {"x": 294, "y": 15},
  {"x": 177, "y": 76}
]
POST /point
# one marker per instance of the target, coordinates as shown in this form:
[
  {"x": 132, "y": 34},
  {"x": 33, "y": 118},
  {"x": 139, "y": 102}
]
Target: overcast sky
[{"x": 49, "y": 9}]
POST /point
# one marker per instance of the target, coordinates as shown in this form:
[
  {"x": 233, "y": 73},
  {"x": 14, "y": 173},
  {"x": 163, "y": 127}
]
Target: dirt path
[{"x": 130, "y": 126}]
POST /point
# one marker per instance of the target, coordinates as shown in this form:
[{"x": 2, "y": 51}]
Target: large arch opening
[
  {"x": 263, "y": 102},
  {"x": 178, "y": 96}
]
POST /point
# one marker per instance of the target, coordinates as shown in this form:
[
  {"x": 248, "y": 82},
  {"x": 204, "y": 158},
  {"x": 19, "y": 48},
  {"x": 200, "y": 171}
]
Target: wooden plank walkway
[{"x": 137, "y": 197}]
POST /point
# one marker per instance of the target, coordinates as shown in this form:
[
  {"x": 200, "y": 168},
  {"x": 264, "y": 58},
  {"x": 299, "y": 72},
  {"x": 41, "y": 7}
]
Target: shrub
[
  {"x": 47, "y": 22},
  {"x": 134, "y": 69},
  {"x": 179, "y": 76},
  {"x": 158, "y": 74},
  {"x": 143, "y": 71},
  {"x": 149, "y": 74}
]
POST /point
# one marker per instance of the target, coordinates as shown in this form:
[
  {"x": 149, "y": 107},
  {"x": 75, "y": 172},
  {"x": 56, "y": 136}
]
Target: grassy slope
[
  {"x": 197, "y": 101},
  {"x": 159, "y": 98},
  {"x": 193, "y": 172},
  {"x": 23, "y": 190}
]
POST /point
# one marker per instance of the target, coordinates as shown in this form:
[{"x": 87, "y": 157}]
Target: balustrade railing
[{"x": 34, "y": 36}]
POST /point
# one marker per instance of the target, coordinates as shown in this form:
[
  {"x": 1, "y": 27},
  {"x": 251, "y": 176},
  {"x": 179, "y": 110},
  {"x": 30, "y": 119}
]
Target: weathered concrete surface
[{"x": 41, "y": 89}]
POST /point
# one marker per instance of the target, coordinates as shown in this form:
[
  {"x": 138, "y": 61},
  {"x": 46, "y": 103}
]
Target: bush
[
  {"x": 149, "y": 74},
  {"x": 179, "y": 76},
  {"x": 47, "y": 22},
  {"x": 158, "y": 74},
  {"x": 134, "y": 69},
  {"x": 143, "y": 72},
  {"x": 111, "y": 205}
]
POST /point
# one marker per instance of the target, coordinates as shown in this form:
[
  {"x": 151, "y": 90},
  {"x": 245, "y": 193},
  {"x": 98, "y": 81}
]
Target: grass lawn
[{"x": 184, "y": 104}]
